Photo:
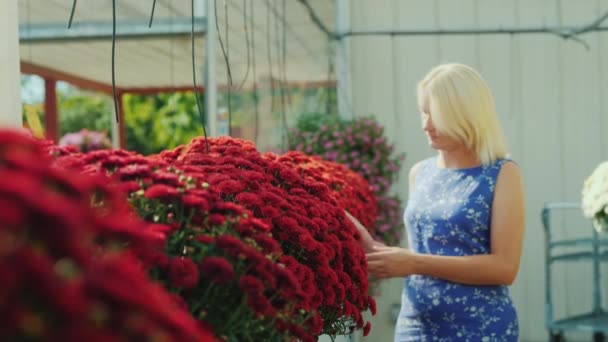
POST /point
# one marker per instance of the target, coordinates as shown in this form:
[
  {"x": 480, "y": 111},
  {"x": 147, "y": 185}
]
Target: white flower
[{"x": 595, "y": 195}]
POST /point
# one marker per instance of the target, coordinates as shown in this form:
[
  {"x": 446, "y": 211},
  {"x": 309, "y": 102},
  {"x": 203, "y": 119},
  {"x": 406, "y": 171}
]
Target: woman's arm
[
  {"x": 500, "y": 267},
  {"x": 368, "y": 243}
]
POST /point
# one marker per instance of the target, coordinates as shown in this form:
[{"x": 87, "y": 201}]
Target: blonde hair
[{"x": 463, "y": 108}]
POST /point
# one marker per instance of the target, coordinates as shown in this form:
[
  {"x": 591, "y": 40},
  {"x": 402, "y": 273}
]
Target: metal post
[
  {"x": 115, "y": 129},
  {"x": 546, "y": 219},
  {"x": 102, "y": 30},
  {"x": 51, "y": 121},
  {"x": 343, "y": 75},
  {"x": 597, "y": 290},
  {"x": 210, "y": 68},
  {"x": 10, "y": 82},
  {"x": 343, "y": 64},
  {"x": 118, "y": 129}
]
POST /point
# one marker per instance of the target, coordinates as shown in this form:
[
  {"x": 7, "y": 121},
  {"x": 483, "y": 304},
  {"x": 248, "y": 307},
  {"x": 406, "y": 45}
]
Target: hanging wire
[
  {"x": 171, "y": 46},
  {"x": 225, "y": 53},
  {"x": 247, "y": 46},
  {"x": 72, "y": 14},
  {"x": 284, "y": 74},
  {"x": 256, "y": 112},
  {"x": 330, "y": 72},
  {"x": 269, "y": 50},
  {"x": 226, "y": 24},
  {"x": 280, "y": 50},
  {"x": 194, "y": 87},
  {"x": 152, "y": 14},
  {"x": 29, "y": 30},
  {"x": 113, "y": 59},
  {"x": 288, "y": 97}
]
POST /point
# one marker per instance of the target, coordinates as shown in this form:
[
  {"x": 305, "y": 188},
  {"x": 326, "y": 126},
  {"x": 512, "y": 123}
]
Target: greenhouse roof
[{"x": 160, "y": 57}]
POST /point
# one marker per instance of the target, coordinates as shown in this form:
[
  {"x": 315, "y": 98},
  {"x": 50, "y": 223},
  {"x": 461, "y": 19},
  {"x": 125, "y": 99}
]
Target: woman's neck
[{"x": 457, "y": 159}]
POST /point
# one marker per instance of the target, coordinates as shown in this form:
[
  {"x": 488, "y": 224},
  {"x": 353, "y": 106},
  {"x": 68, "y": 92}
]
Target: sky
[{"x": 32, "y": 89}]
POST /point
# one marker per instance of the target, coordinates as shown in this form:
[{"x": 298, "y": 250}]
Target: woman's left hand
[{"x": 389, "y": 262}]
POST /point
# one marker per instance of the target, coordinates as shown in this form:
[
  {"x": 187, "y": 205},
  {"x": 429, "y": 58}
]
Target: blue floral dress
[{"x": 448, "y": 213}]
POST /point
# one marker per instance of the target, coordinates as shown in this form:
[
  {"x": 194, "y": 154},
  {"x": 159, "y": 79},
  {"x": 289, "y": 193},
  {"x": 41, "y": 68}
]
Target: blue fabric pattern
[{"x": 448, "y": 213}]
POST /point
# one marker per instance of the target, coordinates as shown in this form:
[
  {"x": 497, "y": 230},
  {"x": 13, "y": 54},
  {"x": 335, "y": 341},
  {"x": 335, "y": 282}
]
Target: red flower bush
[
  {"x": 352, "y": 192},
  {"x": 64, "y": 276},
  {"x": 322, "y": 248},
  {"x": 359, "y": 144},
  {"x": 220, "y": 262}
]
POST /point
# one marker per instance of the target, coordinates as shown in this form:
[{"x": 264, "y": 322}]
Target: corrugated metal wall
[{"x": 552, "y": 100}]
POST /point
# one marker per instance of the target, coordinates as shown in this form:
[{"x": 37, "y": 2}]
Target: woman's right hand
[{"x": 368, "y": 243}]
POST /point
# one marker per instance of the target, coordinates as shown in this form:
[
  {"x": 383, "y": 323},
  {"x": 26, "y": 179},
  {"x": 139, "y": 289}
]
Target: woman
[{"x": 464, "y": 217}]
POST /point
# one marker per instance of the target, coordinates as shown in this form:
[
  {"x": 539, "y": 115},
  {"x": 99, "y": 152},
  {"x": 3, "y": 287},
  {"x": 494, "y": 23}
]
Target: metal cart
[{"x": 595, "y": 251}]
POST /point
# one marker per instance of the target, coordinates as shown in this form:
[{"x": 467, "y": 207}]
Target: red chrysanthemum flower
[
  {"x": 217, "y": 268},
  {"x": 68, "y": 263},
  {"x": 161, "y": 191},
  {"x": 183, "y": 273},
  {"x": 304, "y": 202}
]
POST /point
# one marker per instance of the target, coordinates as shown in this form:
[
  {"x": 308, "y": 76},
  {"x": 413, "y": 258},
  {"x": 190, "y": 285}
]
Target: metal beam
[
  {"x": 80, "y": 31},
  {"x": 343, "y": 62},
  {"x": 210, "y": 69}
]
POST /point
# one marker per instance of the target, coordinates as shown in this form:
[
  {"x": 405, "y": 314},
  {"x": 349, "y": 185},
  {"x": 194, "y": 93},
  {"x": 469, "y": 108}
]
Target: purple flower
[
  {"x": 74, "y": 139},
  {"x": 86, "y": 140}
]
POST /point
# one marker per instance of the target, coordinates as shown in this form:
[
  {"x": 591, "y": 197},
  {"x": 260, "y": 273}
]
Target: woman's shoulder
[
  {"x": 509, "y": 172},
  {"x": 506, "y": 163},
  {"x": 415, "y": 169},
  {"x": 508, "y": 167}
]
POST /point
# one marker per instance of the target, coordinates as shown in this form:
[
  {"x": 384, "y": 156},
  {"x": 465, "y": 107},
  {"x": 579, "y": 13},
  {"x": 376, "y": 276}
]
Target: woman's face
[{"x": 436, "y": 140}]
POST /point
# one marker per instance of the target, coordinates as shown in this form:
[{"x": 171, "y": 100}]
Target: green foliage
[
  {"x": 78, "y": 110},
  {"x": 312, "y": 122},
  {"x": 164, "y": 121},
  {"x": 158, "y": 122}
]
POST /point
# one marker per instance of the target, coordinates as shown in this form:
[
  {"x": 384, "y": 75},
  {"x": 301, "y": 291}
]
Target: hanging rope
[
  {"x": 72, "y": 14},
  {"x": 171, "y": 47},
  {"x": 240, "y": 87},
  {"x": 114, "y": 60},
  {"x": 226, "y": 24},
  {"x": 285, "y": 97},
  {"x": 194, "y": 87},
  {"x": 330, "y": 72},
  {"x": 280, "y": 44},
  {"x": 225, "y": 53},
  {"x": 269, "y": 50},
  {"x": 152, "y": 14},
  {"x": 255, "y": 80}
]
